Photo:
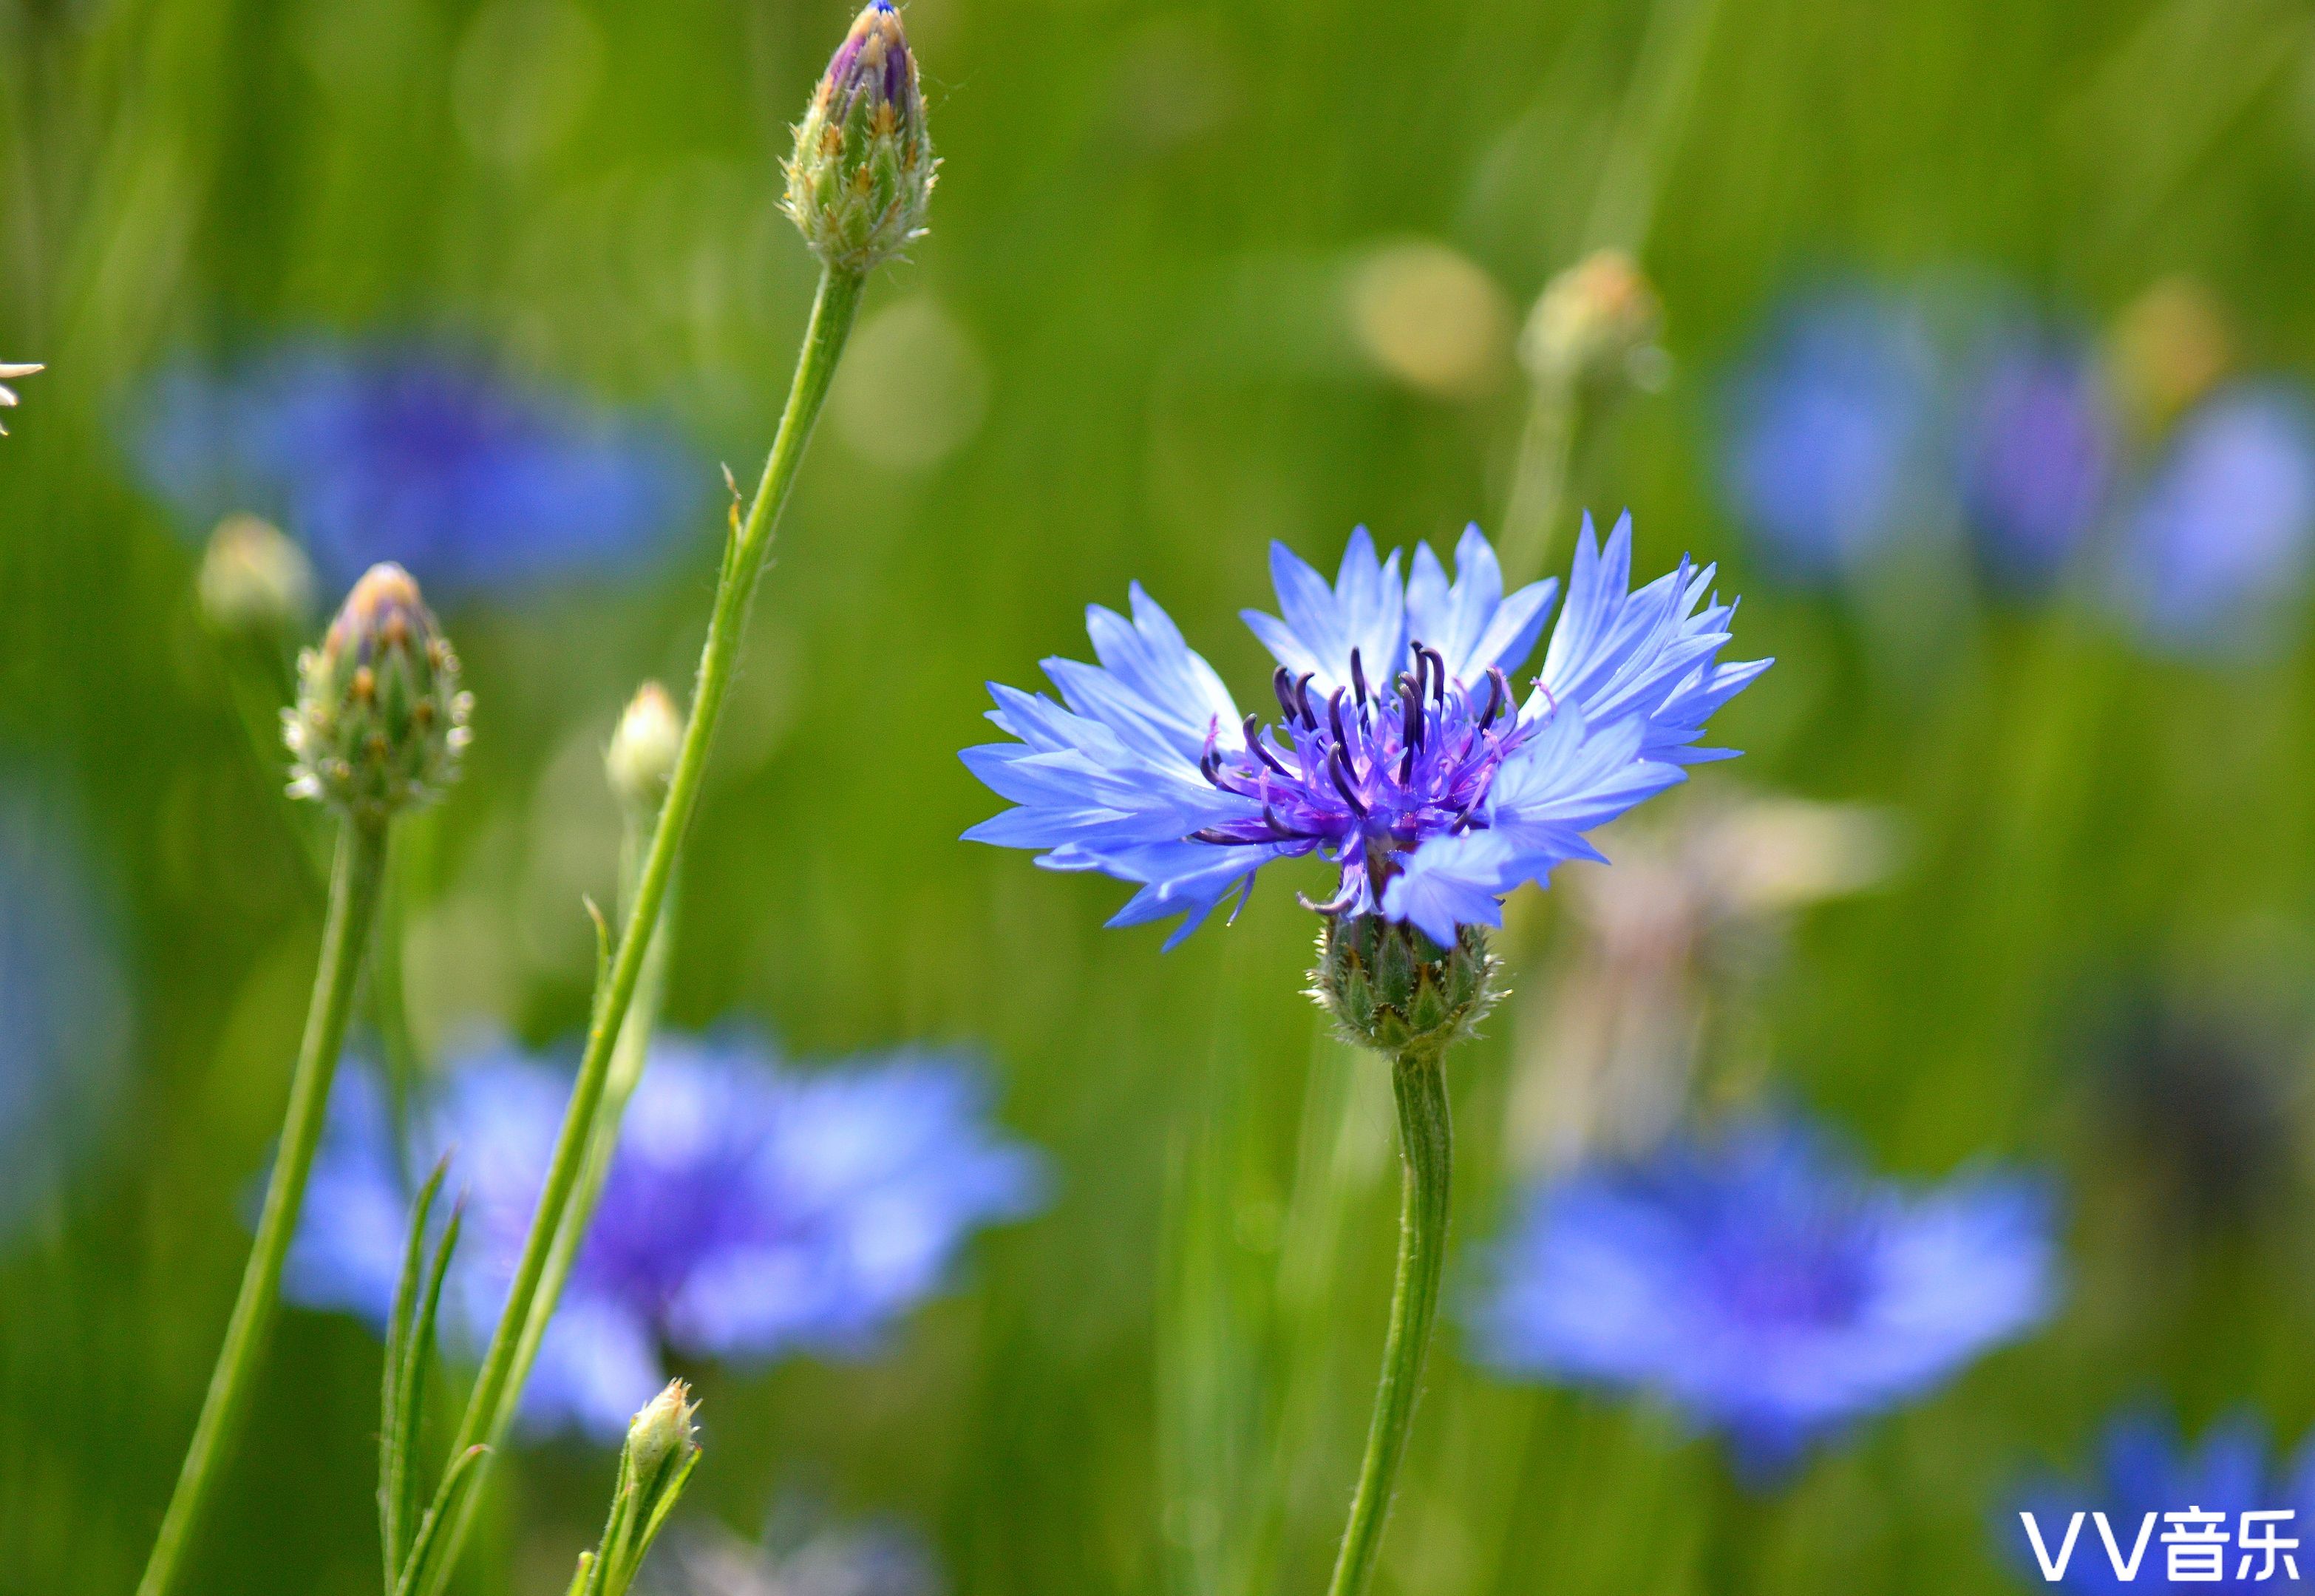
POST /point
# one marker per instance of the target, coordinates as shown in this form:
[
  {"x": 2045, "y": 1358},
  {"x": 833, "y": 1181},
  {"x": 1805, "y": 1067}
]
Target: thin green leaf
[
  {"x": 419, "y": 1357},
  {"x": 456, "y": 1480},
  {"x": 393, "y": 1436}
]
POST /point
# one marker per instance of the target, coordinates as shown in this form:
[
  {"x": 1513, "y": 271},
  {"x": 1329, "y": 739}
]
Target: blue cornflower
[
  {"x": 2146, "y": 1467},
  {"x": 2035, "y": 455},
  {"x": 2215, "y": 553},
  {"x": 1829, "y": 427},
  {"x": 751, "y": 1210},
  {"x": 1402, "y": 753},
  {"x": 1764, "y": 1285},
  {"x": 424, "y": 454},
  {"x": 63, "y": 1003}
]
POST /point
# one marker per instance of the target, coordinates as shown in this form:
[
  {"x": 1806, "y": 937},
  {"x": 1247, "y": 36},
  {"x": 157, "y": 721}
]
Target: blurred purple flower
[
  {"x": 2214, "y": 554},
  {"x": 424, "y": 454},
  {"x": 751, "y": 1210},
  {"x": 1764, "y": 1285},
  {"x": 2146, "y": 1466},
  {"x": 1828, "y": 429},
  {"x": 2035, "y": 458},
  {"x": 63, "y": 1002}
]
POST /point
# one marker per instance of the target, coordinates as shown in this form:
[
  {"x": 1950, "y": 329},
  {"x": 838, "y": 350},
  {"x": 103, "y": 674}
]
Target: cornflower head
[
  {"x": 8, "y": 394},
  {"x": 2035, "y": 455},
  {"x": 751, "y": 1211},
  {"x": 861, "y": 179},
  {"x": 1764, "y": 1285},
  {"x": 1402, "y": 752},
  {"x": 380, "y": 721},
  {"x": 2214, "y": 553},
  {"x": 2145, "y": 1466},
  {"x": 1829, "y": 428},
  {"x": 422, "y": 452}
]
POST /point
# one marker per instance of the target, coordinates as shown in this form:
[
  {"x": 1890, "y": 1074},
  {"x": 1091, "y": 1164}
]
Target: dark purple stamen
[
  {"x": 1411, "y": 702},
  {"x": 1338, "y": 767},
  {"x": 1438, "y": 674},
  {"x": 1499, "y": 690},
  {"x": 1359, "y": 678},
  {"x": 1282, "y": 682},
  {"x": 1261, "y": 746},
  {"x": 1302, "y": 700},
  {"x": 1335, "y": 718}
]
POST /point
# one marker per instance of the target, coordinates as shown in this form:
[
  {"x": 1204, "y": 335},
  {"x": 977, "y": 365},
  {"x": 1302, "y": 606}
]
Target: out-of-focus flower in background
[
  {"x": 425, "y": 454},
  {"x": 2212, "y": 557},
  {"x": 63, "y": 1001},
  {"x": 752, "y": 1211},
  {"x": 1432, "y": 317},
  {"x": 1764, "y": 1285},
  {"x": 1693, "y": 905},
  {"x": 2170, "y": 347},
  {"x": 804, "y": 1551},
  {"x": 1828, "y": 431},
  {"x": 2145, "y": 1466},
  {"x": 2035, "y": 449}
]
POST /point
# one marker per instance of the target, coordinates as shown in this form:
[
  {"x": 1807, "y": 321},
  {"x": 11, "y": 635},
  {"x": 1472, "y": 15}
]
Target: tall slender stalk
[
  {"x": 354, "y": 880},
  {"x": 497, "y": 1390},
  {"x": 1426, "y": 1165}
]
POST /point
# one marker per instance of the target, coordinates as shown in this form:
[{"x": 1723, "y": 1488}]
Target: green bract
[
  {"x": 1392, "y": 988},
  {"x": 379, "y": 721},
  {"x": 862, "y": 174}
]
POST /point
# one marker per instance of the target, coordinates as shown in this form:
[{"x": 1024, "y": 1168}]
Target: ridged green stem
[
  {"x": 1426, "y": 1144},
  {"x": 490, "y": 1408},
  {"x": 354, "y": 879}
]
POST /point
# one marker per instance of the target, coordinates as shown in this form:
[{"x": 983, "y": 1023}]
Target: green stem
[
  {"x": 490, "y": 1408},
  {"x": 1426, "y": 1161},
  {"x": 354, "y": 879},
  {"x": 625, "y": 1073}
]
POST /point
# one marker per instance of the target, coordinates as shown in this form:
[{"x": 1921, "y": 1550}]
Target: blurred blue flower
[
  {"x": 2214, "y": 554},
  {"x": 1828, "y": 431},
  {"x": 1764, "y": 1285},
  {"x": 751, "y": 1210},
  {"x": 424, "y": 454},
  {"x": 2146, "y": 1466},
  {"x": 1401, "y": 753},
  {"x": 63, "y": 1002},
  {"x": 2035, "y": 455}
]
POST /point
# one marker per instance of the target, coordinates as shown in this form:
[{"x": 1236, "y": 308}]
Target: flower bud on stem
[
  {"x": 498, "y": 1388},
  {"x": 379, "y": 725},
  {"x": 662, "y": 1451}
]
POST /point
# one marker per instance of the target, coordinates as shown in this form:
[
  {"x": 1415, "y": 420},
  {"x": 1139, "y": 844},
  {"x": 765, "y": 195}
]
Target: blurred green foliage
[{"x": 1146, "y": 335}]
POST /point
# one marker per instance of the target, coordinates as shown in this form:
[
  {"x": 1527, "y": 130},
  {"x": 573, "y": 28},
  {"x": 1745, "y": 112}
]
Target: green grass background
[{"x": 1144, "y": 216}]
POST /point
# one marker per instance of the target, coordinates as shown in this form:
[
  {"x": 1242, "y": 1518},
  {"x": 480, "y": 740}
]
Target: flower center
[{"x": 1363, "y": 774}]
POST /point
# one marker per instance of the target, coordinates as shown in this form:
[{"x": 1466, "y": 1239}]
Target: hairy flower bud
[
  {"x": 379, "y": 720},
  {"x": 663, "y": 1436},
  {"x": 641, "y": 759},
  {"x": 1392, "y": 988},
  {"x": 862, "y": 173},
  {"x": 1597, "y": 320},
  {"x": 253, "y": 579}
]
